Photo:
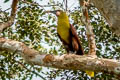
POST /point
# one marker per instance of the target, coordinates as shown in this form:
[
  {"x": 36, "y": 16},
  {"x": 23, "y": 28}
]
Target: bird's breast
[{"x": 63, "y": 30}]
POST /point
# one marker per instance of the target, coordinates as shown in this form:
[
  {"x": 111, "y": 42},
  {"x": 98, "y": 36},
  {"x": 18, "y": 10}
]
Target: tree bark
[
  {"x": 11, "y": 18},
  {"x": 110, "y": 9},
  {"x": 89, "y": 29},
  {"x": 66, "y": 61}
]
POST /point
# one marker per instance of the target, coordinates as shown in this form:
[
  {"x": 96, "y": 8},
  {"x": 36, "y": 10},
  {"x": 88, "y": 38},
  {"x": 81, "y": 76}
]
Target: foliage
[{"x": 38, "y": 30}]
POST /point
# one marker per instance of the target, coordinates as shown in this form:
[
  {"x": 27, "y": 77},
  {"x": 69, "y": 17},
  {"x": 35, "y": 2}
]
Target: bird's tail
[{"x": 90, "y": 73}]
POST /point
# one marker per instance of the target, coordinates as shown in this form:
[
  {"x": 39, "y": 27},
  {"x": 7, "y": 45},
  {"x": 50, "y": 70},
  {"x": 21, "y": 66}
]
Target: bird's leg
[{"x": 67, "y": 49}]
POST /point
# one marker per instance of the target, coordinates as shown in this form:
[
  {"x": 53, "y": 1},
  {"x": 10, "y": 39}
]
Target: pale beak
[{"x": 54, "y": 12}]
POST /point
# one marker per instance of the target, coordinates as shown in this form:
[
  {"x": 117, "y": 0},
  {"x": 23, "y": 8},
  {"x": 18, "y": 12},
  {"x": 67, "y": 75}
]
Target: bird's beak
[{"x": 54, "y": 12}]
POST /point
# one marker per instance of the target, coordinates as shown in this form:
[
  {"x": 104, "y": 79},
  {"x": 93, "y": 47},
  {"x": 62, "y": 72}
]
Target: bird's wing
[
  {"x": 74, "y": 33},
  {"x": 75, "y": 40}
]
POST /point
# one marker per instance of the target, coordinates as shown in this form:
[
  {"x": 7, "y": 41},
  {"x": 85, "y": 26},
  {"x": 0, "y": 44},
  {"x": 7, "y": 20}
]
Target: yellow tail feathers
[{"x": 90, "y": 73}]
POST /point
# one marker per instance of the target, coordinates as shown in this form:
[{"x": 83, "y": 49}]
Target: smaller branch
[
  {"x": 7, "y": 9},
  {"x": 14, "y": 7},
  {"x": 66, "y": 5},
  {"x": 11, "y": 18},
  {"x": 89, "y": 30}
]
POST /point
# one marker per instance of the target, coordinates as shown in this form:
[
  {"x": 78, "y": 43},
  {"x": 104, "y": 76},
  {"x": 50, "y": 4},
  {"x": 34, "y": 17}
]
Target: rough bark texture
[
  {"x": 11, "y": 18},
  {"x": 66, "y": 61},
  {"x": 91, "y": 40},
  {"x": 110, "y": 9}
]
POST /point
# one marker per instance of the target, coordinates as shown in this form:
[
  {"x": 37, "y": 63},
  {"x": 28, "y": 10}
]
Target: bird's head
[{"x": 57, "y": 12}]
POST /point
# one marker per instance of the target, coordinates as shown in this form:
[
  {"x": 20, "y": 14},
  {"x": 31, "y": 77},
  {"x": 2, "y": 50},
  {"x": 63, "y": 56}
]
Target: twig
[
  {"x": 66, "y": 5},
  {"x": 7, "y": 9}
]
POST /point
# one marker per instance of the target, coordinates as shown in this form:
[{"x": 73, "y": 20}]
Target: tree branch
[
  {"x": 66, "y": 61},
  {"x": 110, "y": 9},
  {"x": 89, "y": 30},
  {"x": 11, "y": 18}
]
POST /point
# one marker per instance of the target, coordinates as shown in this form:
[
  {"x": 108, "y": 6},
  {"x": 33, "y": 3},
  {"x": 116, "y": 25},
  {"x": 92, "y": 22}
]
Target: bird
[{"x": 68, "y": 35}]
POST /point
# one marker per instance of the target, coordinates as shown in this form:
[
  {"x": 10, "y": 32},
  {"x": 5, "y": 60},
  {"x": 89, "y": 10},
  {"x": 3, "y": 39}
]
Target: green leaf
[
  {"x": 5, "y": 1},
  {"x": 29, "y": 0}
]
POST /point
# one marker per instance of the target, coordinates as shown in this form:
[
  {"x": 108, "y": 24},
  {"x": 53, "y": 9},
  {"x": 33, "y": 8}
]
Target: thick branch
[
  {"x": 110, "y": 9},
  {"x": 73, "y": 62},
  {"x": 11, "y": 18}
]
